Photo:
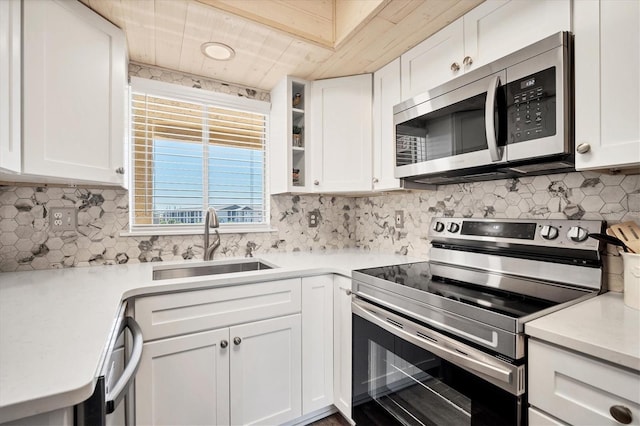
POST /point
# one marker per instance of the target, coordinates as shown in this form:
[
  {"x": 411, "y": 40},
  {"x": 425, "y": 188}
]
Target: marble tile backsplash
[
  {"x": 579, "y": 195},
  {"x": 27, "y": 243}
]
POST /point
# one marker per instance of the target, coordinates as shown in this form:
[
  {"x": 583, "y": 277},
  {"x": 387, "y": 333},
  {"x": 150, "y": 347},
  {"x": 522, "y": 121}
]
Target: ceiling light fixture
[{"x": 217, "y": 51}]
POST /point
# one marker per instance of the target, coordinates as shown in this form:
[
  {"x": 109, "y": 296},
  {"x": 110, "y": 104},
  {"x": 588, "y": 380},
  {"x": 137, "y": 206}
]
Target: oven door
[
  {"x": 407, "y": 374},
  {"x": 460, "y": 129}
]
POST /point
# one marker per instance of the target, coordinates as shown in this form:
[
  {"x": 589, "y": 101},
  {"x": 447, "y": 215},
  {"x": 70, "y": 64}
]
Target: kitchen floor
[{"x": 333, "y": 420}]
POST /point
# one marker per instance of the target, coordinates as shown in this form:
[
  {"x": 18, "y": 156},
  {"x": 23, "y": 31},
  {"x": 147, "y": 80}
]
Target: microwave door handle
[
  {"x": 489, "y": 119},
  {"x": 115, "y": 394}
]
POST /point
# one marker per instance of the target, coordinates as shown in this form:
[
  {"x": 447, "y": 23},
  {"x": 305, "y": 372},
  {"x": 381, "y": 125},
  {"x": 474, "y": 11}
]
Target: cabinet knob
[
  {"x": 621, "y": 414},
  {"x": 467, "y": 61},
  {"x": 120, "y": 170},
  {"x": 237, "y": 341},
  {"x": 455, "y": 67},
  {"x": 316, "y": 182},
  {"x": 583, "y": 148},
  {"x": 375, "y": 180},
  {"x": 224, "y": 344},
  {"x": 349, "y": 292}
]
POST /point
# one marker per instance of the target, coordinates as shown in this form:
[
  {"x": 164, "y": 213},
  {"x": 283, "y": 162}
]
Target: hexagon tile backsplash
[{"x": 26, "y": 243}]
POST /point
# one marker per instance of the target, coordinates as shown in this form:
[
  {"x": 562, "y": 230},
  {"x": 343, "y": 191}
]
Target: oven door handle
[
  {"x": 117, "y": 392},
  {"x": 490, "y": 120},
  {"x": 443, "y": 352}
]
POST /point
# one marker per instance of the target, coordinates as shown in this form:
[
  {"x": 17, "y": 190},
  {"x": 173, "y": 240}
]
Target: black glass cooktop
[{"x": 418, "y": 276}]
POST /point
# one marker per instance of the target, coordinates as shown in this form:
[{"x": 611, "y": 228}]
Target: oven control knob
[
  {"x": 438, "y": 226},
  {"x": 577, "y": 234},
  {"x": 453, "y": 227},
  {"x": 549, "y": 232}
]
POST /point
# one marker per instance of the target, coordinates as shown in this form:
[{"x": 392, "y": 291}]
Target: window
[{"x": 192, "y": 149}]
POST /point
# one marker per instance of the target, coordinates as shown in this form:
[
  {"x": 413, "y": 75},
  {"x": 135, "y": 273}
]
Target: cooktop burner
[{"x": 417, "y": 276}]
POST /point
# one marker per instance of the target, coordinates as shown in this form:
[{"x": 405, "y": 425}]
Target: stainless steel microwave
[{"x": 512, "y": 117}]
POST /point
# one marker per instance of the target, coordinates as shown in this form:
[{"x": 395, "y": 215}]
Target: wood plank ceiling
[{"x": 310, "y": 39}]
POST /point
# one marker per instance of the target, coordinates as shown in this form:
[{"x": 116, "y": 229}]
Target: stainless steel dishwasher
[{"x": 105, "y": 406}]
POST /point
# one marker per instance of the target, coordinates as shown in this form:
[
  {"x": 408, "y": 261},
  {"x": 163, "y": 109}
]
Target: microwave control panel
[{"x": 531, "y": 106}]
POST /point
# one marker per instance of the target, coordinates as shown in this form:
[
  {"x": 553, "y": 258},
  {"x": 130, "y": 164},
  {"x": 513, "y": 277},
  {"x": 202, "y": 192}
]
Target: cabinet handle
[
  {"x": 455, "y": 67},
  {"x": 316, "y": 182},
  {"x": 621, "y": 414},
  {"x": 583, "y": 148},
  {"x": 120, "y": 170},
  {"x": 467, "y": 61},
  {"x": 224, "y": 344},
  {"x": 237, "y": 341}
]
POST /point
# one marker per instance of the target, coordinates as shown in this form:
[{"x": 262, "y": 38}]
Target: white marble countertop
[
  {"x": 55, "y": 324},
  {"x": 603, "y": 327}
]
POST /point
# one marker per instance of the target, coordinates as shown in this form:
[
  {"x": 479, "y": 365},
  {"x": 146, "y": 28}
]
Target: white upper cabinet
[
  {"x": 493, "y": 29},
  {"x": 434, "y": 61},
  {"x": 341, "y": 134},
  {"x": 74, "y": 94},
  {"x": 288, "y": 148},
  {"x": 386, "y": 94},
  {"x": 498, "y": 27},
  {"x": 10, "y": 30},
  {"x": 607, "y": 70}
]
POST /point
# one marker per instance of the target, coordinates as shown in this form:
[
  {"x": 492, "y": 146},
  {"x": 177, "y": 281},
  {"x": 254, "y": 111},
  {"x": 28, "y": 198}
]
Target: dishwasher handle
[{"x": 119, "y": 390}]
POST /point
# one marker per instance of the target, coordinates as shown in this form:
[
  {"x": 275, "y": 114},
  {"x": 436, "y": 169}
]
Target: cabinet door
[
  {"x": 496, "y": 28},
  {"x": 266, "y": 371},
  {"x": 386, "y": 94},
  {"x": 342, "y": 345},
  {"x": 607, "y": 95},
  {"x": 317, "y": 343},
  {"x": 341, "y": 134},
  {"x": 184, "y": 380},
  {"x": 74, "y": 85},
  {"x": 434, "y": 61},
  {"x": 10, "y": 85}
]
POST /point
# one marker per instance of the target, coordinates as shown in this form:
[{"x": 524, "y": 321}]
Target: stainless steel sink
[{"x": 215, "y": 269}]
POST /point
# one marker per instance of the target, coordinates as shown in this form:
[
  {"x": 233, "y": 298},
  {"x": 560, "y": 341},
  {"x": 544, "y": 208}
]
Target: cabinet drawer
[
  {"x": 578, "y": 389},
  {"x": 538, "y": 418},
  {"x": 179, "y": 313}
]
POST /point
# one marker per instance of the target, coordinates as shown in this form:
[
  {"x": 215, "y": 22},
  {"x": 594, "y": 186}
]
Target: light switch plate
[
  {"x": 399, "y": 218},
  {"x": 63, "y": 219}
]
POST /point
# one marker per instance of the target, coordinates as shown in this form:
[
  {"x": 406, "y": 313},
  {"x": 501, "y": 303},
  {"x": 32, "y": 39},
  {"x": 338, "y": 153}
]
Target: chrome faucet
[{"x": 211, "y": 221}]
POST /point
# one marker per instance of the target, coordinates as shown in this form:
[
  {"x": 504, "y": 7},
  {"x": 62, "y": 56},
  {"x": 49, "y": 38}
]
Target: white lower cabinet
[
  {"x": 265, "y": 372},
  {"x": 184, "y": 380},
  {"x": 342, "y": 345},
  {"x": 317, "y": 343},
  {"x": 580, "y": 390},
  {"x": 221, "y": 356},
  {"x": 538, "y": 418}
]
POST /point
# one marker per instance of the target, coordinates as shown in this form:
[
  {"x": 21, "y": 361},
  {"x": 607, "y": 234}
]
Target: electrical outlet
[
  {"x": 399, "y": 219},
  {"x": 63, "y": 219},
  {"x": 313, "y": 220}
]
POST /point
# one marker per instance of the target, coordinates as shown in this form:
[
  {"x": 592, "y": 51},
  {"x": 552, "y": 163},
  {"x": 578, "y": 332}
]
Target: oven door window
[{"x": 396, "y": 382}]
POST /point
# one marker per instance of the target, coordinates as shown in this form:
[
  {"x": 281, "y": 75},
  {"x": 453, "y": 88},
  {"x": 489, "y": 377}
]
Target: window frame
[{"x": 194, "y": 95}]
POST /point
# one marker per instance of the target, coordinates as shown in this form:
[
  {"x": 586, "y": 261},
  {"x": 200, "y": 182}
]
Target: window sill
[{"x": 196, "y": 230}]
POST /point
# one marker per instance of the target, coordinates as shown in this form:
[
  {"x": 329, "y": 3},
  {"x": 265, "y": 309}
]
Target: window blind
[{"x": 187, "y": 156}]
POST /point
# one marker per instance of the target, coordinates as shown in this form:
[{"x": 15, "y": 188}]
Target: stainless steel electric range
[{"x": 442, "y": 342}]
